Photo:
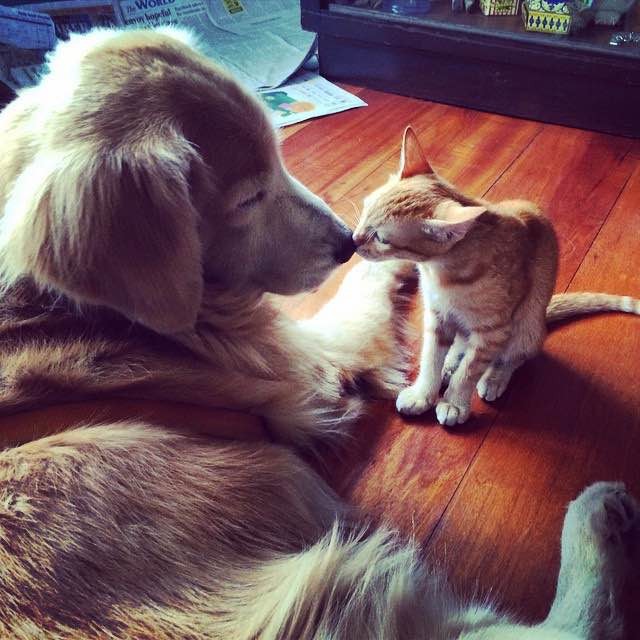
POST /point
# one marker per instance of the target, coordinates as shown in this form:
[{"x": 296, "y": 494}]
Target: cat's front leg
[
  {"x": 483, "y": 346},
  {"x": 424, "y": 392}
]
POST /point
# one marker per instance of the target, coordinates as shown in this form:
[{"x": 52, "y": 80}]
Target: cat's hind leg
[
  {"x": 525, "y": 342},
  {"x": 454, "y": 357},
  {"x": 484, "y": 346},
  {"x": 495, "y": 379},
  {"x": 601, "y": 529}
]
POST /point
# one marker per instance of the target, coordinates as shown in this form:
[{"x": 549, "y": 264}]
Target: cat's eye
[
  {"x": 253, "y": 200},
  {"x": 379, "y": 238}
]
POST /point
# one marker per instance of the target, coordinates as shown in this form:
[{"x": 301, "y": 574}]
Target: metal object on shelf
[
  {"x": 407, "y": 7},
  {"x": 625, "y": 39}
]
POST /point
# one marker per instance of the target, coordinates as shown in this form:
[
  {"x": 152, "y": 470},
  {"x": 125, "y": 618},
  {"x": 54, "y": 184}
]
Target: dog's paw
[
  {"x": 303, "y": 419},
  {"x": 380, "y": 277},
  {"x": 383, "y": 322},
  {"x": 602, "y": 526},
  {"x": 450, "y": 414},
  {"x": 395, "y": 273},
  {"x": 415, "y": 400},
  {"x": 368, "y": 329},
  {"x": 606, "y": 512}
]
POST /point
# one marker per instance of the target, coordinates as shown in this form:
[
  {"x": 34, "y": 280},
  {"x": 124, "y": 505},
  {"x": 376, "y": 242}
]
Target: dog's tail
[
  {"x": 567, "y": 305},
  {"x": 345, "y": 586}
]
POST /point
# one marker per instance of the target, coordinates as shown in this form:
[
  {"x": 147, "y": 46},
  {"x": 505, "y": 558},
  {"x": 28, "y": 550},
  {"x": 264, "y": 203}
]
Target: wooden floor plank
[
  {"x": 575, "y": 177},
  {"x": 328, "y": 152},
  {"x": 472, "y": 148}
]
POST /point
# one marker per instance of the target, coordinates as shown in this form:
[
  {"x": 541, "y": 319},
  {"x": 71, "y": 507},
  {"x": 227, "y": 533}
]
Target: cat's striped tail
[{"x": 567, "y": 305}]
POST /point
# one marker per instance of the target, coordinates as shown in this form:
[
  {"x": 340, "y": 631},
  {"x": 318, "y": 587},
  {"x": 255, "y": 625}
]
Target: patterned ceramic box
[
  {"x": 499, "y": 7},
  {"x": 546, "y": 16}
]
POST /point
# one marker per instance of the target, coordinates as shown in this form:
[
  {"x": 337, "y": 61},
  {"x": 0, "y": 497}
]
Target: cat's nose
[{"x": 345, "y": 250}]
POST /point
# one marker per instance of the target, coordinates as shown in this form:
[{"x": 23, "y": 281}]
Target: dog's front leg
[
  {"x": 353, "y": 347},
  {"x": 363, "y": 328},
  {"x": 601, "y": 530}
]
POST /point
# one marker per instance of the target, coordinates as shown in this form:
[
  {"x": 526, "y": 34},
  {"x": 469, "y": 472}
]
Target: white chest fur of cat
[{"x": 487, "y": 275}]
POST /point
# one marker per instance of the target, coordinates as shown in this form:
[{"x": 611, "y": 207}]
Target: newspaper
[
  {"x": 308, "y": 96},
  {"x": 271, "y": 26},
  {"x": 242, "y": 16},
  {"x": 25, "y": 29},
  {"x": 24, "y": 36},
  {"x": 77, "y": 16},
  {"x": 259, "y": 41}
]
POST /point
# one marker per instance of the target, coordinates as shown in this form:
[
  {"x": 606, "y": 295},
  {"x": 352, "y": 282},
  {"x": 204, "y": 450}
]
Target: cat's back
[
  {"x": 539, "y": 230},
  {"x": 541, "y": 250}
]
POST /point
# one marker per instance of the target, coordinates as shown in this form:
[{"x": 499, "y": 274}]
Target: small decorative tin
[
  {"x": 500, "y": 7},
  {"x": 547, "y": 16}
]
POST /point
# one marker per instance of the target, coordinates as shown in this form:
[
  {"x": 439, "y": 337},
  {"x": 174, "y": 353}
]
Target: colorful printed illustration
[
  {"x": 284, "y": 104},
  {"x": 233, "y": 6}
]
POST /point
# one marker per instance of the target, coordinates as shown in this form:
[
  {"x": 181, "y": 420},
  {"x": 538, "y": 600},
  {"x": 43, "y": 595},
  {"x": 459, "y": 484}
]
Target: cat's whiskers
[
  {"x": 358, "y": 214},
  {"x": 371, "y": 235}
]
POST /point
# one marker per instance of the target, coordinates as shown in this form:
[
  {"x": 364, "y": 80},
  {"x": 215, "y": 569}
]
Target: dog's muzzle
[{"x": 346, "y": 250}]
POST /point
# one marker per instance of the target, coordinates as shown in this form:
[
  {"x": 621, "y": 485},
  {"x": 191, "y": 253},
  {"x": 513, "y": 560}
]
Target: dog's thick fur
[{"x": 146, "y": 215}]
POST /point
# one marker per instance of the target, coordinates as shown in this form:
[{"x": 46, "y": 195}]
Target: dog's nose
[
  {"x": 345, "y": 250},
  {"x": 359, "y": 238}
]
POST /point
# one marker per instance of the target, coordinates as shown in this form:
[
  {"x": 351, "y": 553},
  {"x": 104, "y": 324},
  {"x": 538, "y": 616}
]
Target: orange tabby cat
[{"x": 487, "y": 273}]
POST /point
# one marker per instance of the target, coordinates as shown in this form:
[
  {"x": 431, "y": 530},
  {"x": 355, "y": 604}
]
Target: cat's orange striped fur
[{"x": 487, "y": 273}]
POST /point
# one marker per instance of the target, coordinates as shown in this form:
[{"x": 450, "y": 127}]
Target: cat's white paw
[
  {"x": 494, "y": 383},
  {"x": 414, "y": 400},
  {"x": 450, "y": 414},
  {"x": 491, "y": 389}
]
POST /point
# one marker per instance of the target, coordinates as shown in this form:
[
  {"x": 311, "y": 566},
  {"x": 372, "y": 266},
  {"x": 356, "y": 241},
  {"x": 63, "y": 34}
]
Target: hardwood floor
[{"x": 487, "y": 500}]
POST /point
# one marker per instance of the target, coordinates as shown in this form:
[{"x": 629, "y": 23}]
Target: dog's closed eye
[{"x": 253, "y": 200}]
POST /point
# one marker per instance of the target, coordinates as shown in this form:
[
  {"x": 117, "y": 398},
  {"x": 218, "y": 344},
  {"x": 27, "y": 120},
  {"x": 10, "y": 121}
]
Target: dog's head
[{"x": 138, "y": 172}]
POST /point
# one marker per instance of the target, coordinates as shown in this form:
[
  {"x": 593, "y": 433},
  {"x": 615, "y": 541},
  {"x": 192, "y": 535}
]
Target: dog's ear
[{"x": 112, "y": 227}]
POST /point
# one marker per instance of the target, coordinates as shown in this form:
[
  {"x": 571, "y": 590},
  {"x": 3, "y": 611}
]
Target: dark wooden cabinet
[{"x": 484, "y": 62}]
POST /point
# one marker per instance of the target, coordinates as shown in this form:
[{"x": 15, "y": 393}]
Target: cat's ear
[
  {"x": 458, "y": 222},
  {"x": 412, "y": 159}
]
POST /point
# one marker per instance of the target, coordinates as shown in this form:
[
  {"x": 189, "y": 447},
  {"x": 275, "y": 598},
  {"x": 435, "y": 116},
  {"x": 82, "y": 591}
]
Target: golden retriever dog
[{"x": 146, "y": 219}]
